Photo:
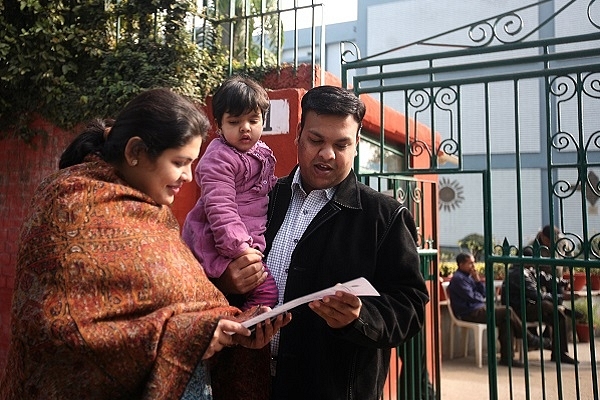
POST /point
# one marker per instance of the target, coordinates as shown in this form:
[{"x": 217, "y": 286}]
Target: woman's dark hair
[
  {"x": 162, "y": 118},
  {"x": 332, "y": 100},
  {"x": 239, "y": 95}
]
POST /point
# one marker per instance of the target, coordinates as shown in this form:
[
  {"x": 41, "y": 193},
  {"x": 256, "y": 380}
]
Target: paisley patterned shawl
[{"x": 109, "y": 302}]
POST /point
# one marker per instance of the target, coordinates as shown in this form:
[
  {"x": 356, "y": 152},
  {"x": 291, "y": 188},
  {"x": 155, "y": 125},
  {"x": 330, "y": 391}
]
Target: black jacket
[
  {"x": 360, "y": 232},
  {"x": 523, "y": 277}
]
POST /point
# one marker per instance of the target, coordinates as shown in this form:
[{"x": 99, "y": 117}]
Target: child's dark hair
[
  {"x": 332, "y": 100},
  {"x": 239, "y": 95},
  {"x": 162, "y": 118}
]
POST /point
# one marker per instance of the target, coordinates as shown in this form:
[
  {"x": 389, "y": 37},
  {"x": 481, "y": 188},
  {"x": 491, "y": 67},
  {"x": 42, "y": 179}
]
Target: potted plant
[
  {"x": 595, "y": 278},
  {"x": 447, "y": 269},
  {"x": 579, "y": 278},
  {"x": 582, "y": 322}
]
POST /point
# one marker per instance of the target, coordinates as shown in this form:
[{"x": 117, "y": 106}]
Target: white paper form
[{"x": 357, "y": 287}]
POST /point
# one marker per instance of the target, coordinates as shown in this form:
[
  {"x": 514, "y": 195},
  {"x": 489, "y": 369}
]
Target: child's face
[{"x": 243, "y": 131}]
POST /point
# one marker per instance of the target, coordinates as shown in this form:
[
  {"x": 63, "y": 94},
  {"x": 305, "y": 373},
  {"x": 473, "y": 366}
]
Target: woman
[{"x": 109, "y": 303}]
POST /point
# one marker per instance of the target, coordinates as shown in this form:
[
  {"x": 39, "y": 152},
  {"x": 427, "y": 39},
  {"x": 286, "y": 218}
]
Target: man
[
  {"x": 467, "y": 299},
  {"x": 326, "y": 228},
  {"x": 523, "y": 278},
  {"x": 545, "y": 237}
]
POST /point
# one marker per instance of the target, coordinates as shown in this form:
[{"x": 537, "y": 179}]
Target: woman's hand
[
  {"x": 264, "y": 332},
  {"x": 223, "y": 336},
  {"x": 230, "y": 333}
]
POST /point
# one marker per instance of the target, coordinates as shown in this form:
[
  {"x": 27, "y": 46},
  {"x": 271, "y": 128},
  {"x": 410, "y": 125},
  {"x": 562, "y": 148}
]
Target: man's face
[
  {"x": 326, "y": 149},
  {"x": 468, "y": 265}
]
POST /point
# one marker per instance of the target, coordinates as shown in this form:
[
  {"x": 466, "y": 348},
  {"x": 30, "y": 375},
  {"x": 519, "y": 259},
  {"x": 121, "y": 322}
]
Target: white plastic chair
[{"x": 477, "y": 329}]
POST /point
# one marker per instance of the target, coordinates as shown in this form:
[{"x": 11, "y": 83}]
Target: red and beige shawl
[{"x": 109, "y": 302}]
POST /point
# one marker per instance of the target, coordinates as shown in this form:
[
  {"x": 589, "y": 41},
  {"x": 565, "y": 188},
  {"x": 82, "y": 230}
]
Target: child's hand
[{"x": 251, "y": 250}]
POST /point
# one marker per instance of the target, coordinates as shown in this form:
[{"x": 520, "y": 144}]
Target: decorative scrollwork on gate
[
  {"x": 590, "y": 84},
  {"x": 505, "y": 29},
  {"x": 563, "y": 189}
]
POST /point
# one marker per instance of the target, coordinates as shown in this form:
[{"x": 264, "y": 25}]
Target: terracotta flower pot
[
  {"x": 578, "y": 281},
  {"x": 442, "y": 295},
  {"x": 583, "y": 332}
]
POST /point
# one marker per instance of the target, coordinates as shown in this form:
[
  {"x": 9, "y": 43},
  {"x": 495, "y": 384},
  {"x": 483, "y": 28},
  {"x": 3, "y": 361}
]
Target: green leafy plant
[
  {"x": 68, "y": 61},
  {"x": 499, "y": 271},
  {"x": 473, "y": 243},
  {"x": 581, "y": 306},
  {"x": 447, "y": 268}
]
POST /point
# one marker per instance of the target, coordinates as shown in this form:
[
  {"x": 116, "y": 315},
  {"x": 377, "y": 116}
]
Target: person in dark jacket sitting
[
  {"x": 523, "y": 278},
  {"x": 545, "y": 237}
]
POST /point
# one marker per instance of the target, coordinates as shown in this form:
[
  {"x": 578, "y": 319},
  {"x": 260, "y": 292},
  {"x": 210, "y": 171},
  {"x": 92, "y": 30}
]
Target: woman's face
[{"x": 162, "y": 178}]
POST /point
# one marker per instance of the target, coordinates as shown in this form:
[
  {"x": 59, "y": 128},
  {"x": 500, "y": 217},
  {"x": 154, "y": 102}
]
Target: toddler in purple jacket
[{"x": 235, "y": 175}]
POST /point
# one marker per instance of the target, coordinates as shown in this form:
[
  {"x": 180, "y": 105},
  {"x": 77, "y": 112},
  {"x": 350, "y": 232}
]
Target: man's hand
[
  {"x": 475, "y": 275},
  {"x": 243, "y": 274},
  {"x": 339, "y": 310}
]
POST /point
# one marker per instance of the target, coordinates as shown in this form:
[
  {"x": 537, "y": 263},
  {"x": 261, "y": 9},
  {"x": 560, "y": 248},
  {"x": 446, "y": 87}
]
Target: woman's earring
[{"x": 134, "y": 163}]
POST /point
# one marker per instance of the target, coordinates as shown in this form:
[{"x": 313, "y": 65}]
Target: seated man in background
[
  {"x": 524, "y": 278},
  {"x": 467, "y": 299},
  {"x": 546, "y": 274}
]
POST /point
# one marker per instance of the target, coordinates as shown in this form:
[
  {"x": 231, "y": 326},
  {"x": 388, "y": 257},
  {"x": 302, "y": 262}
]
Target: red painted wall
[{"x": 22, "y": 167}]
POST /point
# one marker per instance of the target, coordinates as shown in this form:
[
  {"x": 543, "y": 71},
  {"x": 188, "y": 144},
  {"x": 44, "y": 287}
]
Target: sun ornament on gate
[{"x": 450, "y": 194}]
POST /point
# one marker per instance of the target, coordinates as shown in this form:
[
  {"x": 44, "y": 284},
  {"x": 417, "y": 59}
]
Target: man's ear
[
  {"x": 298, "y": 133},
  {"x": 134, "y": 149}
]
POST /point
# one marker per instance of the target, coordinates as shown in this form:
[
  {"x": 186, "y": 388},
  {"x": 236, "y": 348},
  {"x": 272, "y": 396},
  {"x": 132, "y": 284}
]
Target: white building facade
[{"x": 488, "y": 126}]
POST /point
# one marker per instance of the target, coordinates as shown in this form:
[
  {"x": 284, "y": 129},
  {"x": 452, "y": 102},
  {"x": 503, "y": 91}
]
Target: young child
[{"x": 235, "y": 175}]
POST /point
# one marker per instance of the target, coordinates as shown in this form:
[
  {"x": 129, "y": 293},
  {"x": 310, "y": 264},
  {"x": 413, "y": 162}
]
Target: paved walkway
[{"x": 463, "y": 380}]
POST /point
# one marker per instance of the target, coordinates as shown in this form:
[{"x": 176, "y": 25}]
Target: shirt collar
[{"x": 297, "y": 185}]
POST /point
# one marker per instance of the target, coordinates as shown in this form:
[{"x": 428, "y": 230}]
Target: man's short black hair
[
  {"x": 332, "y": 100},
  {"x": 462, "y": 257}
]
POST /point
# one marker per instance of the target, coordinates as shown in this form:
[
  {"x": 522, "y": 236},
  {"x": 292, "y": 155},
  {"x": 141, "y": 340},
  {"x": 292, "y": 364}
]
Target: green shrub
[
  {"x": 66, "y": 62},
  {"x": 581, "y": 306}
]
